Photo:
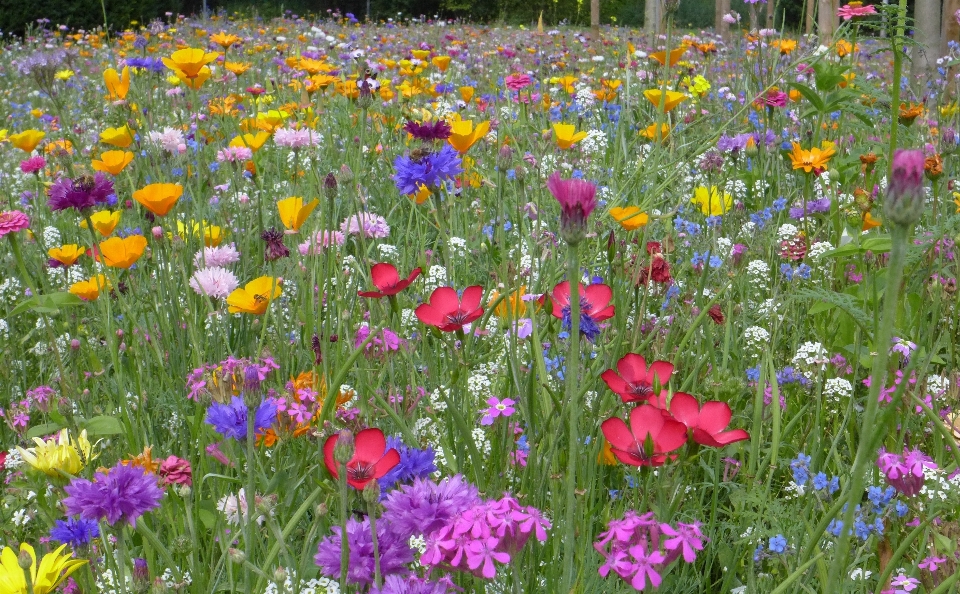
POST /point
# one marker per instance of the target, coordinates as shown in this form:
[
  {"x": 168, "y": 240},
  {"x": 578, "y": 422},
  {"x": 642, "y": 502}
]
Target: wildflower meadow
[{"x": 321, "y": 305}]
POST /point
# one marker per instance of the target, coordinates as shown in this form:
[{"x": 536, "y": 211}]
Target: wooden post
[
  {"x": 826, "y": 21},
  {"x": 923, "y": 56},
  {"x": 771, "y": 14},
  {"x": 950, "y": 29},
  {"x": 722, "y": 28},
  {"x": 595, "y": 19},
  {"x": 809, "y": 13}
]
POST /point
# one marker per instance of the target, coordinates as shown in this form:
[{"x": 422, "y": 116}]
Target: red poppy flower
[
  {"x": 371, "y": 458},
  {"x": 628, "y": 444},
  {"x": 706, "y": 424},
  {"x": 387, "y": 279},
  {"x": 635, "y": 382},
  {"x": 448, "y": 312}
]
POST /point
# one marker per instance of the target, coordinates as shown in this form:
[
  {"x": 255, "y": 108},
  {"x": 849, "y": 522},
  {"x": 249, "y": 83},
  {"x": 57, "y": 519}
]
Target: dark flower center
[
  {"x": 459, "y": 318},
  {"x": 641, "y": 389},
  {"x": 360, "y": 471}
]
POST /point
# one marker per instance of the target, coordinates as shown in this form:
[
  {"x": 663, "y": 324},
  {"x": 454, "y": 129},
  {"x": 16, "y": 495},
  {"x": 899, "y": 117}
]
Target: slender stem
[
  {"x": 344, "y": 544},
  {"x": 572, "y": 389},
  {"x": 897, "y": 47},
  {"x": 371, "y": 513},
  {"x": 121, "y": 562},
  {"x": 250, "y": 496},
  {"x": 870, "y": 433}
]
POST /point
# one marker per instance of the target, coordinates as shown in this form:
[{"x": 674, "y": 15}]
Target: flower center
[{"x": 459, "y": 318}]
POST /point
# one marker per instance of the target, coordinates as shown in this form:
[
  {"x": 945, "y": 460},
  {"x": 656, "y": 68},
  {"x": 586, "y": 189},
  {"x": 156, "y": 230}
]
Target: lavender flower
[
  {"x": 81, "y": 193},
  {"x": 230, "y": 420},
  {"x": 123, "y": 493},
  {"x": 426, "y": 506},
  {"x": 394, "y": 584},
  {"x": 395, "y": 553}
]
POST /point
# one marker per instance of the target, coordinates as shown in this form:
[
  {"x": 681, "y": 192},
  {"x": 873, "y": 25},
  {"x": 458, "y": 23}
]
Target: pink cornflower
[
  {"x": 497, "y": 408},
  {"x": 296, "y": 139},
  {"x": 222, "y": 255},
  {"x": 170, "y": 140},
  {"x": 371, "y": 225},
  {"x": 234, "y": 154},
  {"x": 849, "y": 11},
  {"x": 12, "y": 221},
  {"x": 33, "y": 164},
  {"x": 214, "y": 281},
  {"x": 577, "y": 200},
  {"x": 323, "y": 240}
]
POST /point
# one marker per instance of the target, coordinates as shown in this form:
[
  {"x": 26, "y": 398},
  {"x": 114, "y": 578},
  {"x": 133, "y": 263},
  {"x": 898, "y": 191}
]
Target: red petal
[
  {"x": 471, "y": 298},
  {"x": 604, "y": 314},
  {"x": 728, "y": 437},
  {"x": 685, "y": 409},
  {"x": 328, "y": 455},
  {"x": 560, "y": 297},
  {"x": 599, "y": 296},
  {"x": 645, "y": 419},
  {"x": 445, "y": 300},
  {"x": 615, "y": 382},
  {"x": 389, "y": 460},
  {"x": 714, "y": 416},
  {"x": 384, "y": 275},
  {"x": 473, "y": 315},
  {"x": 429, "y": 315},
  {"x": 413, "y": 275},
  {"x": 372, "y": 294},
  {"x": 672, "y": 436},
  {"x": 662, "y": 370},
  {"x": 370, "y": 446},
  {"x": 617, "y": 433},
  {"x": 627, "y": 458},
  {"x": 633, "y": 368}
]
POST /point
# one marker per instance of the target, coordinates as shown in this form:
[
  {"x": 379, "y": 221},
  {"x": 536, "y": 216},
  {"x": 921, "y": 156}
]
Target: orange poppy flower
[
  {"x": 466, "y": 93},
  {"x": 672, "y": 99},
  {"x": 66, "y": 254},
  {"x": 441, "y": 62},
  {"x": 255, "y": 296},
  {"x": 187, "y": 63},
  {"x": 661, "y": 57},
  {"x": 869, "y": 222},
  {"x": 113, "y": 162},
  {"x": 651, "y": 132},
  {"x": 463, "y": 135},
  {"x": 224, "y": 40},
  {"x": 118, "y": 252},
  {"x": 104, "y": 221},
  {"x": 566, "y": 135},
  {"x": 89, "y": 290},
  {"x": 158, "y": 198},
  {"x": 118, "y": 85},
  {"x": 630, "y": 218},
  {"x": 27, "y": 140}
]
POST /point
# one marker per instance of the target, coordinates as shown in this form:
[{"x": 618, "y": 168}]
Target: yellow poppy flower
[
  {"x": 122, "y": 252},
  {"x": 566, "y": 135},
  {"x": 187, "y": 63},
  {"x": 463, "y": 135},
  {"x": 651, "y": 132},
  {"x": 118, "y": 85},
  {"x": 255, "y": 296},
  {"x": 512, "y": 306},
  {"x": 66, "y": 254},
  {"x": 112, "y": 162},
  {"x": 661, "y": 57},
  {"x": 711, "y": 201},
  {"x": 630, "y": 218},
  {"x": 466, "y": 93},
  {"x": 237, "y": 68},
  {"x": 672, "y": 99},
  {"x": 195, "y": 82},
  {"x": 814, "y": 160},
  {"x": 224, "y": 40},
  {"x": 158, "y": 198},
  {"x": 27, "y": 140},
  {"x": 420, "y": 54},
  {"x": 441, "y": 62},
  {"x": 293, "y": 212},
  {"x": 59, "y": 453},
  {"x": 54, "y": 568},
  {"x": 89, "y": 290},
  {"x": 104, "y": 221},
  {"x": 120, "y": 137},
  {"x": 251, "y": 141}
]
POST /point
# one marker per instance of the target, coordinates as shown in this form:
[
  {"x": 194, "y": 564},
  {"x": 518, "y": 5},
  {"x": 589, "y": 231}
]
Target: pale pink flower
[
  {"x": 170, "y": 139},
  {"x": 214, "y": 281},
  {"x": 222, "y": 255},
  {"x": 296, "y": 139},
  {"x": 847, "y": 12}
]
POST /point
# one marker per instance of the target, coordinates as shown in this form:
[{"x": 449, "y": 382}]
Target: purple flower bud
[
  {"x": 577, "y": 200},
  {"x": 903, "y": 204},
  {"x": 344, "y": 447}
]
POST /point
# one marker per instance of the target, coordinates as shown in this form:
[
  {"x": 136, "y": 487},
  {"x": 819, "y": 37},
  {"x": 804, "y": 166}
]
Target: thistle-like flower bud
[
  {"x": 903, "y": 203},
  {"x": 141, "y": 573},
  {"x": 577, "y": 200},
  {"x": 371, "y": 493},
  {"x": 159, "y": 586},
  {"x": 346, "y": 174},
  {"x": 24, "y": 559},
  {"x": 330, "y": 186},
  {"x": 344, "y": 448},
  {"x": 236, "y": 555}
]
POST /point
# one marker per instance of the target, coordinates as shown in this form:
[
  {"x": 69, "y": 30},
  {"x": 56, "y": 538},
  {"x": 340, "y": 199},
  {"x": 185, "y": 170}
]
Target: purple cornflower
[
  {"x": 76, "y": 532},
  {"x": 123, "y": 493},
  {"x": 394, "y": 551},
  {"x": 230, "y": 420},
  {"x": 498, "y": 408},
  {"x": 81, "y": 193},
  {"x": 813, "y": 207},
  {"x": 428, "y": 131},
  {"x": 414, "y": 464},
  {"x": 430, "y": 170},
  {"x": 426, "y": 506},
  {"x": 275, "y": 249},
  {"x": 394, "y": 584}
]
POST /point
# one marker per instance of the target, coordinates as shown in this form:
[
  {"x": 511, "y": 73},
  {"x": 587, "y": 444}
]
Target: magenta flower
[
  {"x": 483, "y": 552},
  {"x": 516, "y": 82},
  {"x": 645, "y": 567},
  {"x": 497, "y": 408},
  {"x": 12, "y": 221},
  {"x": 577, "y": 200},
  {"x": 905, "y": 473},
  {"x": 34, "y": 164},
  {"x": 686, "y": 539},
  {"x": 932, "y": 563},
  {"x": 903, "y": 203},
  {"x": 848, "y": 12}
]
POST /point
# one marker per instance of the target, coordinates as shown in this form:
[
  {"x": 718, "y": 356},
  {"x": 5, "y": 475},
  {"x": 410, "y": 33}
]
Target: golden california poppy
[
  {"x": 441, "y": 62},
  {"x": 466, "y": 93},
  {"x": 255, "y": 296},
  {"x": 251, "y": 141},
  {"x": 661, "y": 57},
  {"x": 463, "y": 135},
  {"x": 158, "y": 198},
  {"x": 27, "y": 140},
  {"x": 120, "y": 137},
  {"x": 422, "y": 195},
  {"x": 293, "y": 212},
  {"x": 869, "y": 222},
  {"x": 630, "y": 218},
  {"x": 815, "y": 159},
  {"x": 237, "y": 68},
  {"x": 89, "y": 290},
  {"x": 187, "y": 63},
  {"x": 104, "y": 221},
  {"x": 118, "y": 85},
  {"x": 224, "y": 40},
  {"x": 122, "y": 252},
  {"x": 112, "y": 162},
  {"x": 672, "y": 99},
  {"x": 66, "y": 254},
  {"x": 512, "y": 306},
  {"x": 712, "y": 201},
  {"x": 566, "y": 135},
  {"x": 651, "y": 132}
]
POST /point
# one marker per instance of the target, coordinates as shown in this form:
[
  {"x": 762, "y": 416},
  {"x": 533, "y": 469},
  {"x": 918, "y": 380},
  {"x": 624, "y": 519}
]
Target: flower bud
[
  {"x": 330, "y": 186},
  {"x": 280, "y": 575},
  {"x": 141, "y": 573},
  {"x": 236, "y": 555},
  {"x": 371, "y": 493},
  {"x": 24, "y": 559},
  {"x": 346, "y": 174},
  {"x": 159, "y": 586},
  {"x": 344, "y": 447},
  {"x": 577, "y": 200},
  {"x": 903, "y": 203},
  {"x": 321, "y": 510}
]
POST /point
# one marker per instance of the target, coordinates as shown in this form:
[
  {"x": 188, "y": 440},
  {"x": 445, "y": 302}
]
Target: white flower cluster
[
  {"x": 758, "y": 271},
  {"x": 787, "y": 231},
  {"x": 51, "y": 236},
  {"x": 938, "y": 488},
  {"x": 595, "y": 143},
  {"x": 458, "y": 246},
  {"x": 585, "y": 97},
  {"x": 438, "y": 399},
  {"x": 481, "y": 440},
  {"x": 10, "y": 290},
  {"x": 388, "y": 251},
  {"x": 291, "y": 585},
  {"x": 818, "y": 249},
  {"x": 756, "y": 338},
  {"x": 736, "y": 188},
  {"x": 436, "y": 277},
  {"x": 809, "y": 356},
  {"x": 837, "y": 389},
  {"x": 937, "y": 385}
]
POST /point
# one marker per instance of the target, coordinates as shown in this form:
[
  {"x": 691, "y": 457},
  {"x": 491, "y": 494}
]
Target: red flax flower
[
  {"x": 651, "y": 436},
  {"x": 594, "y": 306},
  {"x": 388, "y": 281},
  {"x": 448, "y": 312},
  {"x": 635, "y": 380},
  {"x": 371, "y": 459},
  {"x": 706, "y": 424}
]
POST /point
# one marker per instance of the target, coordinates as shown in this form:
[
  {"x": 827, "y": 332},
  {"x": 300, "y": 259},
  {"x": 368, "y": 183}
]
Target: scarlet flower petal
[
  {"x": 598, "y": 295},
  {"x": 445, "y": 300},
  {"x": 328, "y": 455},
  {"x": 714, "y": 417},
  {"x": 389, "y": 460},
  {"x": 615, "y": 382},
  {"x": 644, "y": 420},
  {"x": 429, "y": 315},
  {"x": 633, "y": 368},
  {"x": 685, "y": 409},
  {"x": 471, "y": 298},
  {"x": 618, "y": 434},
  {"x": 384, "y": 276},
  {"x": 671, "y": 436},
  {"x": 370, "y": 445}
]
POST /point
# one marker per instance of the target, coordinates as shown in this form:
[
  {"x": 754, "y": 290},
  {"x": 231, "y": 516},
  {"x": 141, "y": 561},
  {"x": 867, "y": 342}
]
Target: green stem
[
  {"x": 121, "y": 562},
  {"x": 571, "y": 386},
  {"x": 344, "y": 512},
  {"x": 870, "y": 433},
  {"x": 897, "y": 48},
  {"x": 371, "y": 513},
  {"x": 250, "y": 496}
]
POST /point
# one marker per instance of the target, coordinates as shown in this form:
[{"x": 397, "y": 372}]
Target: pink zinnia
[
  {"x": 515, "y": 82},
  {"x": 214, "y": 281},
  {"x": 577, "y": 200},
  {"x": 12, "y": 221},
  {"x": 849, "y": 11},
  {"x": 33, "y": 164}
]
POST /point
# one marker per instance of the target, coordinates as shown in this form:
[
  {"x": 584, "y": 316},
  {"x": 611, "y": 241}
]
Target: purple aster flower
[
  {"x": 230, "y": 420},
  {"x": 395, "y": 553},
  {"x": 427, "y": 131},
  {"x": 395, "y": 584},
  {"x": 76, "y": 532},
  {"x": 426, "y": 506},
  {"x": 414, "y": 463},
  {"x": 429, "y": 170},
  {"x": 123, "y": 493},
  {"x": 81, "y": 193}
]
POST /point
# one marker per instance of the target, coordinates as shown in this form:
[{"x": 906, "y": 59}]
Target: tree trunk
[
  {"x": 722, "y": 28},
  {"x": 771, "y": 14},
  {"x": 595, "y": 18},
  {"x": 753, "y": 18},
  {"x": 923, "y": 56},
  {"x": 811, "y": 9},
  {"x": 826, "y": 20},
  {"x": 950, "y": 31},
  {"x": 651, "y": 19}
]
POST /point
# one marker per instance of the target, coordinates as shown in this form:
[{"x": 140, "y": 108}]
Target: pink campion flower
[
  {"x": 497, "y": 408},
  {"x": 34, "y": 164},
  {"x": 932, "y": 563},
  {"x": 645, "y": 567},
  {"x": 213, "y": 450},
  {"x": 447, "y": 311},
  {"x": 481, "y": 554},
  {"x": 577, "y": 200},
  {"x": 516, "y": 82},
  {"x": 850, "y": 11},
  {"x": 12, "y": 221},
  {"x": 686, "y": 539},
  {"x": 905, "y": 473}
]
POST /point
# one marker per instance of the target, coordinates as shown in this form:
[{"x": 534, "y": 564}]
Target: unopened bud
[
  {"x": 321, "y": 510},
  {"x": 344, "y": 447},
  {"x": 903, "y": 203},
  {"x": 236, "y": 555},
  {"x": 141, "y": 573},
  {"x": 330, "y": 186},
  {"x": 159, "y": 586},
  {"x": 24, "y": 559},
  {"x": 346, "y": 174},
  {"x": 280, "y": 575},
  {"x": 371, "y": 492}
]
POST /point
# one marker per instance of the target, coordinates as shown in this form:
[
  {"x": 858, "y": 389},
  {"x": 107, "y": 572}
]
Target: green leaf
[
  {"x": 47, "y": 304},
  {"x": 810, "y": 95},
  {"x": 103, "y": 425},
  {"x": 44, "y": 429}
]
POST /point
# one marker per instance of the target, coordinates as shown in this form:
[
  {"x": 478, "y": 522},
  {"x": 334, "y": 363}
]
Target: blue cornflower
[
  {"x": 778, "y": 544},
  {"x": 803, "y": 271},
  {"x": 431, "y": 170},
  {"x": 780, "y": 203},
  {"x": 588, "y": 326},
  {"x": 414, "y": 463},
  {"x": 753, "y": 374},
  {"x": 834, "y": 485},
  {"x": 76, "y": 532},
  {"x": 714, "y": 221},
  {"x": 230, "y": 420},
  {"x": 901, "y": 508},
  {"x": 801, "y": 468},
  {"x": 699, "y": 259},
  {"x": 820, "y": 481},
  {"x": 787, "y": 271},
  {"x": 716, "y": 262}
]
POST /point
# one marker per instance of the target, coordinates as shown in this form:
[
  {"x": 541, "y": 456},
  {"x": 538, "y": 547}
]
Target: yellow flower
[
  {"x": 63, "y": 75},
  {"x": 104, "y": 221},
  {"x": 463, "y": 135},
  {"x": 566, "y": 135},
  {"x": 224, "y": 40},
  {"x": 54, "y": 568},
  {"x": 122, "y": 252},
  {"x": 237, "y": 68},
  {"x": 672, "y": 99},
  {"x": 187, "y": 63},
  {"x": 711, "y": 201},
  {"x": 121, "y": 137},
  {"x": 251, "y": 141},
  {"x": 441, "y": 62},
  {"x": 89, "y": 290},
  {"x": 112, "y": 162},
  {"x": 118, "y": 85},
  {"x": 661, "y": 57},
  {"x": 630, "y": 217},
  {"x": 293, "y": 212},
  {"x": 27, "y": 140},
  {"x": 869, "y": 222},
  {"x": 255, "y": 296},
  {"x": 651, "y": 132},
  {"x": 466, "y": 93},
  {"x": 567, "y": 82},
  {"x": 956, "y": 200},
  {"x": 423, "y": 194},
  {"x": 195, "y": 82},
  {"x": 59, "y": 455},
  {"x": 158, "y": 198},
  {"x": 815, "y": 159},
  {"x": 66, "y": 254},
  {"x": 698, "y": 85},
  {"x": 512, "y": 306}
]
